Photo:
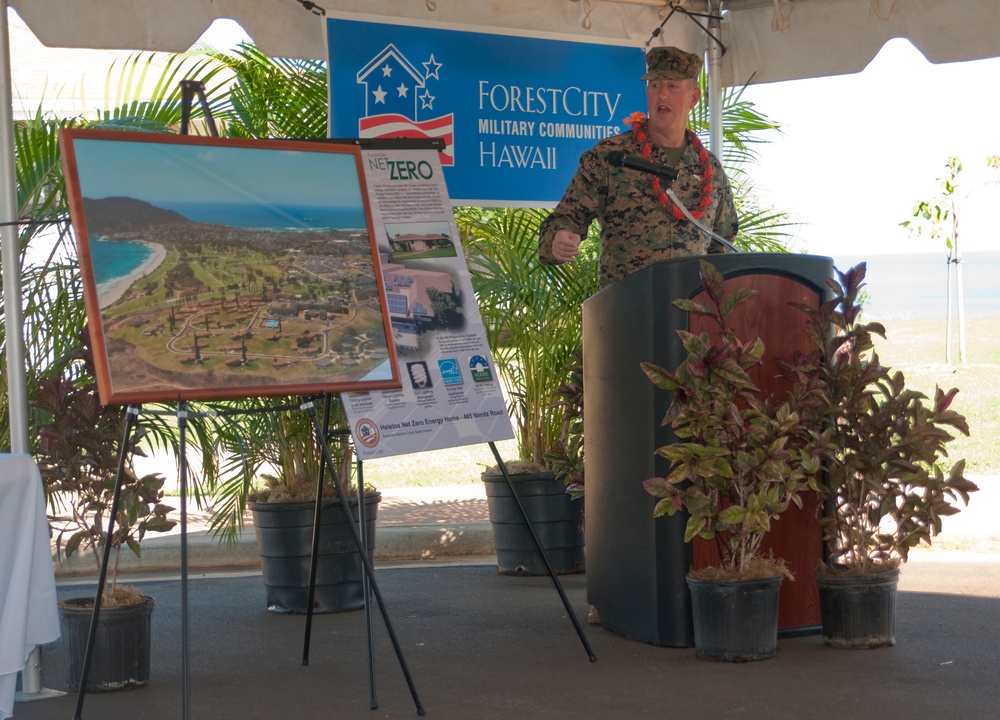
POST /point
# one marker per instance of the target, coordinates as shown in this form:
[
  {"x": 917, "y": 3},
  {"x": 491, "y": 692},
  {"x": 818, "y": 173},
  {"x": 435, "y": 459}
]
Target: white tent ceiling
[
  {"x": 286, "y": 28},
  {"x": 783, "y": 40},
  {"x": 769, "y": 39}
]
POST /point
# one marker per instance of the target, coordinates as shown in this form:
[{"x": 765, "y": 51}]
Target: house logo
[
  {"x": 480, "y": 369},
  {"x": 399, "y": 102},
  {"x": 366, "y": 432}
]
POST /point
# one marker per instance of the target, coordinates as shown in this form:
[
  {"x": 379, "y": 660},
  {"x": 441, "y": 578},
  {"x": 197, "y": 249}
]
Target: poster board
[
  {"x": 222, "y": 268},
  {"x": 451, "y": 394}
]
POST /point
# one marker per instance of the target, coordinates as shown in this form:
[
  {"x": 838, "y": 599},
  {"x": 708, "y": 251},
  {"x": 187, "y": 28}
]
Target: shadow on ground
[{"x": 483, "y": 646}]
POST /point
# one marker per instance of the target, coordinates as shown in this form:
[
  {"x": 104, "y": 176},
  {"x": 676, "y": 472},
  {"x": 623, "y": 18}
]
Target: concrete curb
[
  {"x": 450, "y": 523},
  {"x": 393, "y": 543}
]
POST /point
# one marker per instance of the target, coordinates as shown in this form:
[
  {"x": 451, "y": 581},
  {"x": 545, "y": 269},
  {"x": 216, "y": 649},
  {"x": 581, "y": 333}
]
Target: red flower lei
[{"x": 638, "y": 122}]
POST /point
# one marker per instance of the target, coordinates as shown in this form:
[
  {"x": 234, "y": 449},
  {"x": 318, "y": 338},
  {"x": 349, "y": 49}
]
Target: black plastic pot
[
  {"x": 735, "y": 620},
  {"x": 859, "y": 611},
  {"x": 284, "y": 540},
  {"x": 555, "y": 516},
  {"x": 120, "y": 658}
]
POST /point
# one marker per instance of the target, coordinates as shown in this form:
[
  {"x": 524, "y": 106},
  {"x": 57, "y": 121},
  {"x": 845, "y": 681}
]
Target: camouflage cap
[{"x": 671, "y": 63}]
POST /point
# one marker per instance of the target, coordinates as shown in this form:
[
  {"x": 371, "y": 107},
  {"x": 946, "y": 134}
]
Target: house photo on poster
[{"x": 218, "y": 268}]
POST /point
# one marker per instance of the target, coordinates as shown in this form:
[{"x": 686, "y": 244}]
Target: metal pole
[
  {"x": 182, "y": 423},
  {"x": 959, "y": 290},
  {"x": 10, "y": 259},
  {"x": 541, "y": 552},
  {"x": 10, "y": 254},
  {"x": 715, "y": 81},
  {"x": 309, "y": 406}
]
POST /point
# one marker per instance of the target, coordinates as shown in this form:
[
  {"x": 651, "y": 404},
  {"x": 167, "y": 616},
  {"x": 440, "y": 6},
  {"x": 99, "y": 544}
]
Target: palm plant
[
  {"x": 54, "y": 315},
  {"x": 270, "y": 98},
  {"x": 277, "y": 446},
  {"x": 532, "y": 315}
]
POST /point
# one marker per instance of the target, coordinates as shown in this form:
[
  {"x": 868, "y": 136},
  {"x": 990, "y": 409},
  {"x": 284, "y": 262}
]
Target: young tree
[{"x": 938, "y": 219}]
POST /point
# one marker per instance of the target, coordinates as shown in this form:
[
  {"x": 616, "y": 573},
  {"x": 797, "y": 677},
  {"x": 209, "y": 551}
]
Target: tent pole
[
  {"x": 10, "y": 256},
  {"x": 715, "y": 80},
  {"x": 10, "y": 253}
]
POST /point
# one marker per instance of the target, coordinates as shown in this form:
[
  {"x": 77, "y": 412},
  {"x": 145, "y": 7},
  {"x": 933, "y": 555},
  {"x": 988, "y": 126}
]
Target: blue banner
[{"x": 514, "y": 112}]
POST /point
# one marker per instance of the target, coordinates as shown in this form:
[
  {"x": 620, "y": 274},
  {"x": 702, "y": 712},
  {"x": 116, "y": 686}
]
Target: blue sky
[{"x": 155, "y": 172}]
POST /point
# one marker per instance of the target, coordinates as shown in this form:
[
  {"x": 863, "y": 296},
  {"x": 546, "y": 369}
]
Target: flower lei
[{"x": 638, "y": 122}]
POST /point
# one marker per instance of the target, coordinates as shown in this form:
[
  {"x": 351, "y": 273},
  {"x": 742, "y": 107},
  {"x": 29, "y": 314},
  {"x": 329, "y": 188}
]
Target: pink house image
[{"x": 406, "y": 292}]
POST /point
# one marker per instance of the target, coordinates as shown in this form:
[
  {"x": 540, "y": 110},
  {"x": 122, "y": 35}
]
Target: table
[{"x": 28, "y": 612}]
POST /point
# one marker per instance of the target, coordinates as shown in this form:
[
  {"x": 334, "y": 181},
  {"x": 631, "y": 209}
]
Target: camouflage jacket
[{"x": 636, "y": 230}]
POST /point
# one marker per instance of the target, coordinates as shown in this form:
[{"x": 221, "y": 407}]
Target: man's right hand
[{"x": 565, "y": 246}]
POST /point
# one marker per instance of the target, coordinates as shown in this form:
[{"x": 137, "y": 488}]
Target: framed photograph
[{"x": 221, "y": 268}]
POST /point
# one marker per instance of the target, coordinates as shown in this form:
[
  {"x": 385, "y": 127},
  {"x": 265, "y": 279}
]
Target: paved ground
[
  {"x": 484, "y": 646},
  {"x": 479, "y": 645}
]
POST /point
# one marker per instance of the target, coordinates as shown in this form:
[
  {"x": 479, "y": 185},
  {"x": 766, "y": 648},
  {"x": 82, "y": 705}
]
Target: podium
[{"x": 636, "y": 564}]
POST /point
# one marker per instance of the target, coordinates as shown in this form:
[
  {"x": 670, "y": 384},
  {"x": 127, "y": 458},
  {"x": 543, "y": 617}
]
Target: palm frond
[{"x": 272, "y": 98}]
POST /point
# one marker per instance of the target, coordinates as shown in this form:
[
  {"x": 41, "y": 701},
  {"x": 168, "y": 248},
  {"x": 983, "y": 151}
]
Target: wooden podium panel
[
  {"x": 796, "y": 536},
  {"x": 636, "y": 564}
]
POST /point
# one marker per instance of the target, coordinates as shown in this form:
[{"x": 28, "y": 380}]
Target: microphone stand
[{"x": 673, "y": 197}]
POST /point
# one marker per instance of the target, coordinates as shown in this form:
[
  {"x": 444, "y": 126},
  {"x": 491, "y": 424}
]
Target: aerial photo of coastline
[{"x": 211, "y": 283}]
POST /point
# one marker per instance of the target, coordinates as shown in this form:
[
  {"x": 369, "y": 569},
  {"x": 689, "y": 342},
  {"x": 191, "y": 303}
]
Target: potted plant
[
  {"x": 883, "y": 447},
  {"x": 273, "y": 468},
  {"x": 532, "y": 317},
  {"x": 78, "y": 455},
  {"x": 739, "y": 461}
]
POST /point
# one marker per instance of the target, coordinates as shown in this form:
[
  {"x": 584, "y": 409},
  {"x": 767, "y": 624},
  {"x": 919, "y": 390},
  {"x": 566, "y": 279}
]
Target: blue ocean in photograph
[
  {"x": 257, "y": 216},
  {"x": 914, "y": 286},
  {"x": 113, "y": 260}
]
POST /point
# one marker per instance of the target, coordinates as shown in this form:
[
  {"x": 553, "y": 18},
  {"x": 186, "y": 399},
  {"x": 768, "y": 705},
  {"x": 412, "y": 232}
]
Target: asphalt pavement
[{"x": 476, "y": 644}]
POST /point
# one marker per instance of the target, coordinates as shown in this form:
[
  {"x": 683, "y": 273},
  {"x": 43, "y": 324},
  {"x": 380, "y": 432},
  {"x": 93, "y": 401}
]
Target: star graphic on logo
[
  {"x": 379, "y": 94},
  {"x": 431, "y": 68},
  {"x": 426, "y": 101},
  {"x": 402, "y": 90},
  {"x": 386, "y": 71}
]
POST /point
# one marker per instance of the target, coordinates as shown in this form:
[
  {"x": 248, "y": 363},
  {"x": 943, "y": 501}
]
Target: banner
[
  {"x": 451, "y": 394},
  {"x": 515, "y": 113}
]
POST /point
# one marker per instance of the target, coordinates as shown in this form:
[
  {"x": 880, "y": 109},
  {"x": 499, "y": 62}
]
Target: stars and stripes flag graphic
[{"x": 394, "y": 125}]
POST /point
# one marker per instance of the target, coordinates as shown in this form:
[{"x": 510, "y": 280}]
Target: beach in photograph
[{"x": 109, "y": 292}]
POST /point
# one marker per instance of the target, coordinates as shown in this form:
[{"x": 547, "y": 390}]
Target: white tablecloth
[{"x": 28, "y": 612}]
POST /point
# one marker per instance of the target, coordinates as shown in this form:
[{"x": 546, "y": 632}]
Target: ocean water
[
  {"x": 915, "y": 286},
  {"x": 258, "y": 216},
  {"x": 113, "y": 260},
  {"x": 117, "y": 259}
]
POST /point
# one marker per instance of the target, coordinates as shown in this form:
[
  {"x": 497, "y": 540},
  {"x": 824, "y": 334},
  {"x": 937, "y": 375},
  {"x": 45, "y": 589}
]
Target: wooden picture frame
[{"x": 219, "y": 268}]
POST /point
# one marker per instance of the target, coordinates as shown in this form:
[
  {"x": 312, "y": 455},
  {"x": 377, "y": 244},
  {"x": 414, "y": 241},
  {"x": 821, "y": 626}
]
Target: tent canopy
[
  {"x": 770, "y": 40},
  {"x": 775, "y": 40}
]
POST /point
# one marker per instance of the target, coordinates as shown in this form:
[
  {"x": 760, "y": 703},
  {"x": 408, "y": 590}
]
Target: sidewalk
[
  {"x": 436, "y": 523},
  {"x": 449, "y": 523}
]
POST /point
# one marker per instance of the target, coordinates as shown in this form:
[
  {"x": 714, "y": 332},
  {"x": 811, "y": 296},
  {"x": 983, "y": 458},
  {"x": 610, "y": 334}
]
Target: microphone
[{"x": 620, "y": 158}]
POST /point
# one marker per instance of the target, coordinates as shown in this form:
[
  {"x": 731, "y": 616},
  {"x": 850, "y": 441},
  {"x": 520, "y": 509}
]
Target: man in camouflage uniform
[{"x": 639, "y": 225}]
